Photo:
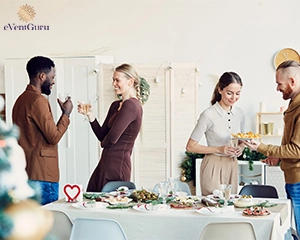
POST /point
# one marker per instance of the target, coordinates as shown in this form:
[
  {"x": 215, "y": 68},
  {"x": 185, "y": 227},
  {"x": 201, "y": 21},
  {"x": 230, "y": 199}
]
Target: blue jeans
[
  {"x": 293, "y": 193},
  {"x": 47, "y": 190}
]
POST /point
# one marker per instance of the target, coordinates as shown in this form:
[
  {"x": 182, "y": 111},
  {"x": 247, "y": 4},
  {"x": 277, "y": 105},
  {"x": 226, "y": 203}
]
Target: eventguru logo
[{"x": 26, "y": 14}]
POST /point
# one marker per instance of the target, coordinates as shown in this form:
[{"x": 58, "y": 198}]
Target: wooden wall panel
[{"x": 169, "y": 116}]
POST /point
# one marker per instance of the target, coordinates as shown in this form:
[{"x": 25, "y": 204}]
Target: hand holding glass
[
  {"x": 234, "y": 143},
  {"x": 84, "y": 108}
]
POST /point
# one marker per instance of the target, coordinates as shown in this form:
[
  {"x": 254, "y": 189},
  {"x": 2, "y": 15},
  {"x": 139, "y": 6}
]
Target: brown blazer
[{"x": 39, "y": 135}]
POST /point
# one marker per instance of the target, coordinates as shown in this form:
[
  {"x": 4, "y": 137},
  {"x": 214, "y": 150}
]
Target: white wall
[{"x": 228, "y": 35}]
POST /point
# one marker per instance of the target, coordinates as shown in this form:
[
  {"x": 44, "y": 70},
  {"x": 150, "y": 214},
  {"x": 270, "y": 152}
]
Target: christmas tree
[{"x": 21, "y": 215}]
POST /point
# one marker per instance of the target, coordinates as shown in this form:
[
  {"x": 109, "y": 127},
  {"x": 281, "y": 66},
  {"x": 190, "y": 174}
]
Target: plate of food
[
  {"x": 247, "y": 136},
  {"x": 150, "y": 208},
  {"x": 256, "y": 211},
  {"x": 86, "y": 205},
  {"x": 118, "y": 200},
  {"x": 184, "y": 206},
  {"x": 143, "y": 195},
  {"x": 247, "y": 139},
  {"x": 245, "y": 201},
  {"x": 216, "y": 197},
  {"x": 215, "y": 210},
  {"x": 117, "y": 193},
  {"x": 188, "y": 202}
]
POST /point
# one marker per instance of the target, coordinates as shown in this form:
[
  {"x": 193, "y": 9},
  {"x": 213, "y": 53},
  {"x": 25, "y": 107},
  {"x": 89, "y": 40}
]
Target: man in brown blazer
[{"x": 39, "y": 135}]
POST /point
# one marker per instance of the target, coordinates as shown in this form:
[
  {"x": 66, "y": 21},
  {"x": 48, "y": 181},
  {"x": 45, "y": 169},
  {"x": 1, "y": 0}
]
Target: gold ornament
[
  {"x": 30, "y": 220},
  {"x": 183, "y": 178}
]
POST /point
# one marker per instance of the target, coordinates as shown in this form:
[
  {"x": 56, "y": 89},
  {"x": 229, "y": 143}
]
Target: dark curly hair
[{"x": 37, "y": 65}]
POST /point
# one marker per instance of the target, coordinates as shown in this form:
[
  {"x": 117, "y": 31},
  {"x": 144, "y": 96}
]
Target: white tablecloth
[{"x": 179, "y": 224}]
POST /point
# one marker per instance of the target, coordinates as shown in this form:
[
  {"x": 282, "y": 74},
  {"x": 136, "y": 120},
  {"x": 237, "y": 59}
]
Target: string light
[
  {"x": 183, "y": 91},
  {"x": 157, "y": 80}
]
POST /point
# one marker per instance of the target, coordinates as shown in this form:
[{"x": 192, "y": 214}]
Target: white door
[
  {"x": 79, "y": 146},
  {"x": 78, "y": 149}
]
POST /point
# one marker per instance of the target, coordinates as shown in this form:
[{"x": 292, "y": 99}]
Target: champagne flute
[{"x": 233, "y": 142}]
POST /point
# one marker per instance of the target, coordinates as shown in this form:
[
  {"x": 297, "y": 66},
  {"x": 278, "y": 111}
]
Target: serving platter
[
  {"x": 114, "y": 201},
  {"x": 245, "y": 139},
  {"x": 242, "y": 204},
  {"x": 256, "y": 212},
  {"x": 232, "y": 197},
  {"x": 256, "y": 215},
  {"x": 149, "y": 208}
]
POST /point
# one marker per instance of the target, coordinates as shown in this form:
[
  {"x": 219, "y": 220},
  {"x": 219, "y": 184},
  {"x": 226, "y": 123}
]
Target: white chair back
[
  {"x": 62, "y": 226},
  {"x": 228, "y": 230},
  {"x": 97, "y": 228},
  {"x": 113, "y": 185}
]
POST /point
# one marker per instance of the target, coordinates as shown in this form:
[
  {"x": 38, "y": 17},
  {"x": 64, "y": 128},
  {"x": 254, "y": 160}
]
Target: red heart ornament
[{"x": 72, "y": 192}]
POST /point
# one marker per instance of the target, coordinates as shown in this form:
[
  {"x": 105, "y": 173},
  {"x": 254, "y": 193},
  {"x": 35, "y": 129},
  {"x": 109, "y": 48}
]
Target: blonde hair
[{"x": 130, "y": 72}]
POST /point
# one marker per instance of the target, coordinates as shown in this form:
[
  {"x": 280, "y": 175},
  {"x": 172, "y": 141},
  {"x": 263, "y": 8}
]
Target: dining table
[{"x": 170, "y": 223}]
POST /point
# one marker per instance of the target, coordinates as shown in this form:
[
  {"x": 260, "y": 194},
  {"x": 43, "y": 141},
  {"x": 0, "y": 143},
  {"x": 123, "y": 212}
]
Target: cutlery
[{"x": 210, "y": 210}]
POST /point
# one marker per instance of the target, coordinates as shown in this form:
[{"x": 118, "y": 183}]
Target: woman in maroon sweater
[{"x": 119, "y": 130}]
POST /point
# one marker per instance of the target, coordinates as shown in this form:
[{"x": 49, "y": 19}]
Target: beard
[
  {"x": 286, "y": 94},
  {"x": 46, "y": 87}
]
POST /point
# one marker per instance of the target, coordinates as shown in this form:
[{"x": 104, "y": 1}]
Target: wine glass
[
  {"x": 225, "y": 193},
  {"x": 63, "y": 96},
  {"x": 163, "y": 188},
  {"x": 233, "y": 142},
  {"x": 86, "y": 107},
  {"x": 173, "y": 185}
]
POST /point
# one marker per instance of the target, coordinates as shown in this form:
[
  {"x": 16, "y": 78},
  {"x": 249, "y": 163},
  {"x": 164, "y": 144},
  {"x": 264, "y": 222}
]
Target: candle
[{"x": 263, "y": 106}]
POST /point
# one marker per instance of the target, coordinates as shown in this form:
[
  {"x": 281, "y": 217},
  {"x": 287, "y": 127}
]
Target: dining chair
[
  {"x": 263, "y": 191},
  {"x": 182, "y": 186},
  {"x": 228, "y": 230},
  {"x": 62, "y": 226},
  {"x": 97, "y": 228},
  {"x": 113, "y": 185}
]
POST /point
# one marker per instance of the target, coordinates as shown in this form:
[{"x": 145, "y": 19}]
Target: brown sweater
[
  {"x": 39, "y": 134},
  {"x": 289, "y": 151}
]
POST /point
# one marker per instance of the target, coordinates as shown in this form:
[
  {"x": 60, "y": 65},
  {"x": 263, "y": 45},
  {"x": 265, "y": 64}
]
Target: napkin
[{"x": 159, "y": 207}]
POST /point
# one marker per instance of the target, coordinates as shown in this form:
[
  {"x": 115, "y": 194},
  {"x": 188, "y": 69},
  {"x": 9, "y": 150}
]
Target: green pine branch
[{"x": 188, "y": 164}]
